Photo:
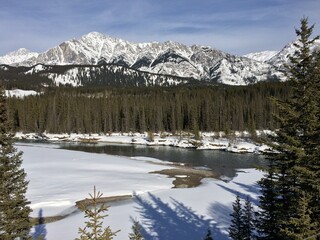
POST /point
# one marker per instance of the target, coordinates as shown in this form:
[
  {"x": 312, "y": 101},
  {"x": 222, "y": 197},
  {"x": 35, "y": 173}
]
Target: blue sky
[{"x": 234, "y": 26}]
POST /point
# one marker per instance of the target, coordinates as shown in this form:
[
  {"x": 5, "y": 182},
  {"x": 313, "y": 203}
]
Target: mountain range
[{"x": 170, "y": 59}]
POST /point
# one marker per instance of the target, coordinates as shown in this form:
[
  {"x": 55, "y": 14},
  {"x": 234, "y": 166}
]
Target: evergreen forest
[{"x": 172, "y": 109}]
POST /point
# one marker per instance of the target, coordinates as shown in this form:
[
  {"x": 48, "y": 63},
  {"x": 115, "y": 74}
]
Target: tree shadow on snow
[
  {"x": 241, "y": 195},
  {"x": 221, "y": 214},
  {"x": 253, "y": 188},
  {"x": 175, "y": 221}
]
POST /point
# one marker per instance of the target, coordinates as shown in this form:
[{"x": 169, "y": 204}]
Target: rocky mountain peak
[
  {"x": 167, "y": 58},
  {"x": 17, "y": 56}
]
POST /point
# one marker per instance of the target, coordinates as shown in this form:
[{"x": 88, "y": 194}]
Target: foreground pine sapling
[
  {"x": 95, "y": 214},
  {"x": 247, "y": 220},
  {"x": 235, "y": 229},
  {"x": 242, "y": 223},
  {"x": 136, "y": 231}
]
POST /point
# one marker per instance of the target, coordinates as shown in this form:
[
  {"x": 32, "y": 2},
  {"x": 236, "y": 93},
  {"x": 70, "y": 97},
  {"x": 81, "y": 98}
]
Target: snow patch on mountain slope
[
  {"x": 84, "y": 75},
  {"x": 69, "y": 77},
  {"x": 261, "y": 56},
  {"x": 37, "y": 68},
  {"x": 235, "y": 70}
]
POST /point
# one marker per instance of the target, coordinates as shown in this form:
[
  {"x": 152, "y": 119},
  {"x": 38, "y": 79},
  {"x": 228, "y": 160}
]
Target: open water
[{"x": 224, "y": 164}]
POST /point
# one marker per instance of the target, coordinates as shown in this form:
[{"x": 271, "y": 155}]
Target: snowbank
[
  {"x": 18, "y": 93},
  {"x": 209, "y": 141}
]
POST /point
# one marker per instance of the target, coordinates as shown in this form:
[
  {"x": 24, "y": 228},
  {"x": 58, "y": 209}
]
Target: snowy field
[{"x": 58, "y": 178}]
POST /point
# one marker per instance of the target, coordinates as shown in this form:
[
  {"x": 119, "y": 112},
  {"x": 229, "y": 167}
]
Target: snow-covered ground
[{"x": 59, "y": 177}]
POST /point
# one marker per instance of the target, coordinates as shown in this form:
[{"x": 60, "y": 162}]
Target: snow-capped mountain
[
  {"x": 234, "y": 70},
  {"x": 261, "y": 56},
  {"x": 17, "y": 57},
  {"x": 163, "y": 58},
  {"x": 168, "y": 58},
  {"x": 282, "y": 57}
]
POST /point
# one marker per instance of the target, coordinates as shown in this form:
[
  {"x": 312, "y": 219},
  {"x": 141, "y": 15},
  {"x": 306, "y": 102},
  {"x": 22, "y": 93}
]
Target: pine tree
[
  {"x": 293, "y": 170},
  {"x": 94, "y": 229},
  {"x": 301, "y": 226},
  {"x": 40, "y": 230},
  {"x": 136, "y": 232},
  {"x": 235, "y": 229},
  {"x": 247, "y": 220},
  {"x": 242, "y": 223},
  {"x": 14, "y": 209},
  {"x": 268, "y": 217},
  {"x": 310, "y": 163}
]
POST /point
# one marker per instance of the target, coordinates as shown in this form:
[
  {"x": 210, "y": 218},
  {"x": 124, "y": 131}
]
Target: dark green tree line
[{"x": 85, "y": 110}]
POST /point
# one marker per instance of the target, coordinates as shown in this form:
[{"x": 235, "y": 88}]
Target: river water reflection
[{"x": 221, "y": 162}]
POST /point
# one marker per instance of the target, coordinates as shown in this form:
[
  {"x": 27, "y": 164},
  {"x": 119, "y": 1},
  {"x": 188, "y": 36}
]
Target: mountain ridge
[
  {"x": 17, "y": 56},
  {"x": 167, "y": 58}
]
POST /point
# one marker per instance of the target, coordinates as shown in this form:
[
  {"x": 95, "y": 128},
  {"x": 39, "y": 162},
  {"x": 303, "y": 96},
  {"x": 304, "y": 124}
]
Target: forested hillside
[
  {"x": 95, "y": 110},
  {"x": 103, "y": 75}
]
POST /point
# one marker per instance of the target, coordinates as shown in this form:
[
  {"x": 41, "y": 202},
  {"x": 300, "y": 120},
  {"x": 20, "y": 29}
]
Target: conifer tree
[
  {"x": 136, "y": 232},
  {"x": 293, "y": 169},
  {"x": 247, "y": 220},
  {"x": 14, "y": 209},
  {"x": 40, "y": 230},
  {"x": 310, "y": 163},
  {"x": 268, "y": 217},
  {"x": 301, "y": 225},
  {"x": 235, "y": 229},
  {"x": 94, "y": 229},
  {"x": 242, "y": 223}
]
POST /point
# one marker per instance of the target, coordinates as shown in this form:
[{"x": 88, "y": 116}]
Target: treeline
[{"x": 92, "y": 110}]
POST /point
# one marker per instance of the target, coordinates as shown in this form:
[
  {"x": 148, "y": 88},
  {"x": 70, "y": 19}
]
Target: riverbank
[
  {"x": 183, "y": 177},
  {"x": 238, "y": 142}
]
